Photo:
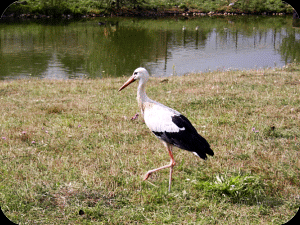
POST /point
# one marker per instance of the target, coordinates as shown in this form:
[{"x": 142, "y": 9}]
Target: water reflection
[{"x": 165, "y": 46}]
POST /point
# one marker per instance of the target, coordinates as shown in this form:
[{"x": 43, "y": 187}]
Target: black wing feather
[{"x": 187, "y": 139}]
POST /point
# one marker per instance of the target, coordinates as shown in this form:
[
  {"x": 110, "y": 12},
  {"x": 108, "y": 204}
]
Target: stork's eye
[{"x": 135, "y": 73}]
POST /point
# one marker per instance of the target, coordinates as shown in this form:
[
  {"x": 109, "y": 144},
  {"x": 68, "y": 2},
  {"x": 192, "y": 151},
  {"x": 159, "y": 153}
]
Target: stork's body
[{"x": 171, "y": 127}]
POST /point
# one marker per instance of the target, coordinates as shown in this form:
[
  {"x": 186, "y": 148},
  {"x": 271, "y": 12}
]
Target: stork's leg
[
  {"x": 171, "y": 167},
  {"x": 172, "y": 163},
  {"x": 170, "y": 178}
]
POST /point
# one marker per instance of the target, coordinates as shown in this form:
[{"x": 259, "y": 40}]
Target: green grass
[{"x": 71, "y": 154}]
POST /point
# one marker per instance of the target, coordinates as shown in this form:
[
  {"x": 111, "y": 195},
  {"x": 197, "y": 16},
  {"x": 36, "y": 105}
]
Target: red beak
[{"x": 129, "y": 81}]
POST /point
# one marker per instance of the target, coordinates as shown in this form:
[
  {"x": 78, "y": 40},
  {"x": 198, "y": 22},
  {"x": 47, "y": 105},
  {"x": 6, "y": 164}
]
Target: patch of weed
[{"x": 246, "y": 189}]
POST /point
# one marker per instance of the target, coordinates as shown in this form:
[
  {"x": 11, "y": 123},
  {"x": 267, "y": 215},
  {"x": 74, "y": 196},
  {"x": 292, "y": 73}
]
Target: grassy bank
[
  {"x": 71, "y": 154},
  {"x": 57, "y": 8}
]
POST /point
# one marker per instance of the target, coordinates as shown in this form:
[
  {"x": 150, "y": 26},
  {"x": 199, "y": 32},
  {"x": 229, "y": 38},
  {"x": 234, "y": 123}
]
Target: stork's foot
[{"x": 147, "y": 175}]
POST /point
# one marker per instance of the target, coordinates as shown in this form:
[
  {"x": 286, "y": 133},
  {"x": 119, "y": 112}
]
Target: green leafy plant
[{"x": 246, "y": 189}]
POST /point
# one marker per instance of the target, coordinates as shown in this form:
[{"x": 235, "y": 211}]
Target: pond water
[{"x": 102, "y": 47}]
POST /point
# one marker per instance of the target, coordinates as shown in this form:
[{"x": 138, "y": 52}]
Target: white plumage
[
  {"x": 159, "y": 118},
  {"x": 171, "y": 127}
]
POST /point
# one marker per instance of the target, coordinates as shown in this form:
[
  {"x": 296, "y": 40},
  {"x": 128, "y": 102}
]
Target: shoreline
[
  {"x": 141, "y": 14},
  {"x": 84, "y": 9}
]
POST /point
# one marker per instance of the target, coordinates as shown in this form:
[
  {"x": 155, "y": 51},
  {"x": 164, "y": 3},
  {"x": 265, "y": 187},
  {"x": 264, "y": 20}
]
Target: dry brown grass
[{"x": 69, "y": 145}]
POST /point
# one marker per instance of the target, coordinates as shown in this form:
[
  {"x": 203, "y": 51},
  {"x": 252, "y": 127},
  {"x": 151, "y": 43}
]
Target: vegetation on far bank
[
  {"x": 70, "y": 152},
  {"x": 140, "y": 7}
]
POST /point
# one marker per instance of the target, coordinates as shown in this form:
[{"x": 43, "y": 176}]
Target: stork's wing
[
  {"x": 159, "y": 118},
  {"x": 174, "y": 128},
  {"x": 189, "y": 139}
]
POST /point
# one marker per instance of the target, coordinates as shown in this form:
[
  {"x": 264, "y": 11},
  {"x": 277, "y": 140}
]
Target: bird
[{"x": 167, "y": 124}]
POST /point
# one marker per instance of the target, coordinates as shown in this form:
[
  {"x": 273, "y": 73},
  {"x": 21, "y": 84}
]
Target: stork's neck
[{"x": 142, "y": 97}]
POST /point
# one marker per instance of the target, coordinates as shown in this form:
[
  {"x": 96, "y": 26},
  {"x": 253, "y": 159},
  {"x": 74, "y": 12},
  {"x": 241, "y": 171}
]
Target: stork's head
[{"x": 139, "y": 74}]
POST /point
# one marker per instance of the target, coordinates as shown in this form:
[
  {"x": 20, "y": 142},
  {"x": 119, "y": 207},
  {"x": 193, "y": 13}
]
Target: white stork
[{"x": 171, "y": 127}]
